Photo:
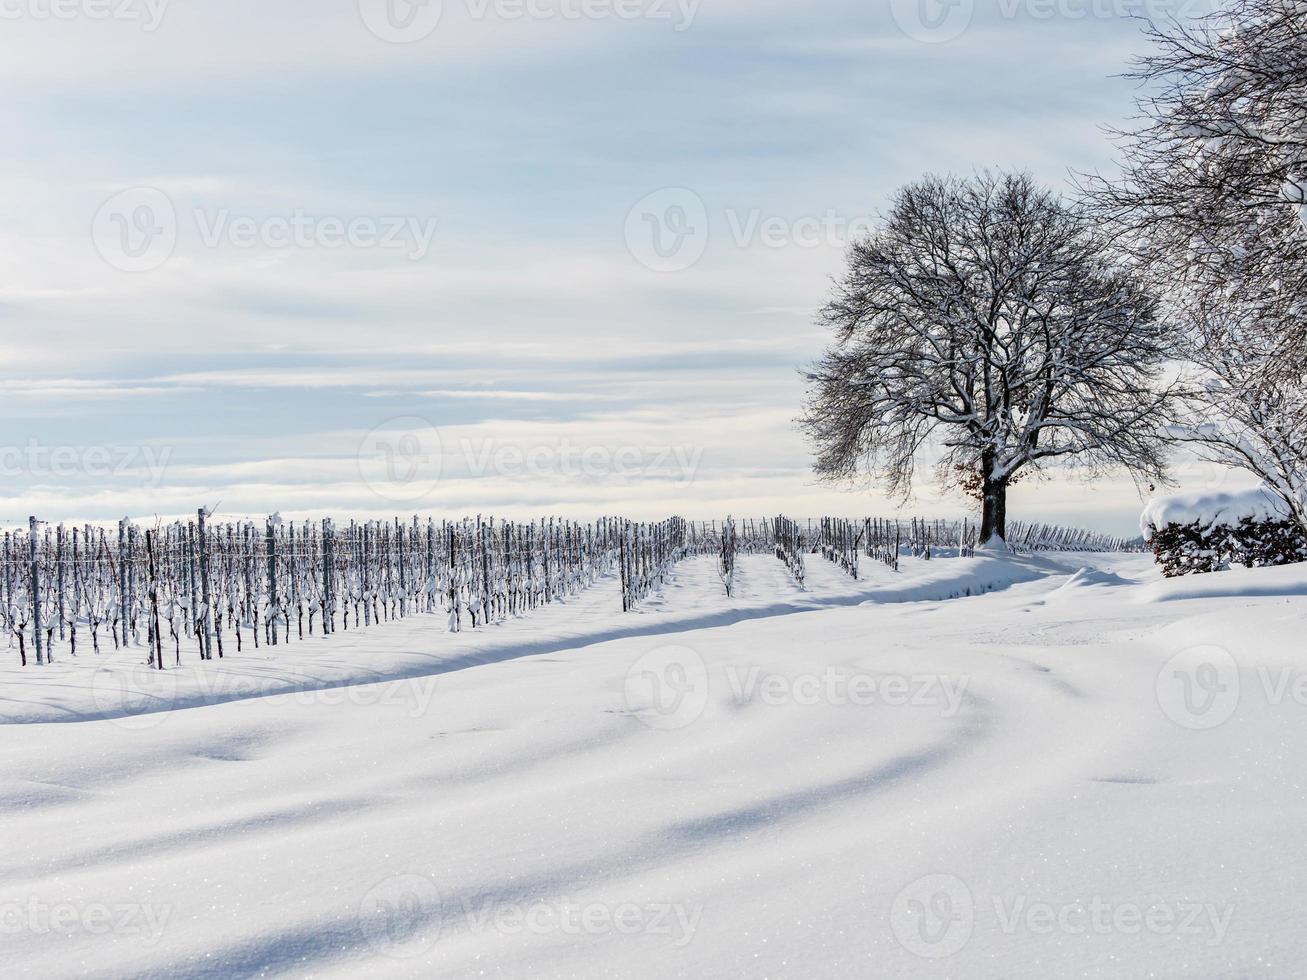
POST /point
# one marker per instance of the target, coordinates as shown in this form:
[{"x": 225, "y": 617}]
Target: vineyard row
[{"x": 220, "y": 586}]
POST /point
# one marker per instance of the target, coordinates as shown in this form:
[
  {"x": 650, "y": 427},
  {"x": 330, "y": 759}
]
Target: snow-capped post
[
  {"x": 36, "y": 590},
  {"x": 192, "y": 588},
  {"x": 122, "y": 581},
  {"x": 76, "y": 610},
  {"x": 206, "y": 596},
  {"x": 328, "y": 603},
  {"x": 401, "y": 559},
  {"x": 484, "y": 534},
  {"x": 271, "y": 620},
  {"x": 548, "y": 533},
  {"x": 156, "y": 638},
  {"x": 987, "y": 316},
  {"x": 62, "y": 611},
  {"x": 624, "y": 574},
  {"x": 455, "y": 620}
]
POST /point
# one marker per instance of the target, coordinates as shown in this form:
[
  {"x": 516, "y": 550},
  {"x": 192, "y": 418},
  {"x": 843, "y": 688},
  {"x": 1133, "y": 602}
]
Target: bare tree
[
  {"x": 1214, "y": 182},
  {"x": 1211, "y": 204},
  {"x": 1247, "y": 408},
  {"x": 985, "y": 321}
]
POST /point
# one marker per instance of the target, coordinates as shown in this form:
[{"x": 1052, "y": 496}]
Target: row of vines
[{"x": 218, "y": 587}]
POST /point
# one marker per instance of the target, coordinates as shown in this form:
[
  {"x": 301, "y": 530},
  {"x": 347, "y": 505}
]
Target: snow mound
[
  {"x": 1089, "y": 578},
  {"x": 1236, "y": 583},
  {"x": 1259, "y": 504}
]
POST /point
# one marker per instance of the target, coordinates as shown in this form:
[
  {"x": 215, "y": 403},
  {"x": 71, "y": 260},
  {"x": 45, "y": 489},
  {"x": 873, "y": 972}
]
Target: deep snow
[{"x": 1080, "y": 772}]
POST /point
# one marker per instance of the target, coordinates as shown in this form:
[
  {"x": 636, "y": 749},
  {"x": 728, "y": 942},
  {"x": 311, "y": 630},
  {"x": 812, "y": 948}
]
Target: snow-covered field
[{"x": 1039, "y": 767}]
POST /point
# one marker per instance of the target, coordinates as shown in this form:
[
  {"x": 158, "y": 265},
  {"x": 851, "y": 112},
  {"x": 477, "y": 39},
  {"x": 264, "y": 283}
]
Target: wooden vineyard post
[
  {"x": 59, "y": 571},
  {"x": 271, "y": 621},
  {"x": 192, "y": 588},
  {"x": 328, "y": 606},
  {"x": 206, "y": 594},
  {"x": 484, "y": 535},
  {"x": 454, "y": 617},
  {"x": 545, "y": 546},
  {"x": 626, "y": 602},
  {"x": 156, "y": 647},
  {"x": 36, "y": 590},
  {"x": 403, "y": 576},
  {"x": 122, "y": 580}
]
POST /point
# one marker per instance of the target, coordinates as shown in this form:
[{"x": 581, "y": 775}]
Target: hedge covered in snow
[{"x": 1191, "y": 534}]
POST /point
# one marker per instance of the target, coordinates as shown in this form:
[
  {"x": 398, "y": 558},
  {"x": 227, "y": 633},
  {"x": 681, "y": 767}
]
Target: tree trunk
[{"x": 994, "y": 520}]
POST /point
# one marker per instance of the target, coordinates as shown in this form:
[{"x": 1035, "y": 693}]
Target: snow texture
[{"x": 898, "y": 777}]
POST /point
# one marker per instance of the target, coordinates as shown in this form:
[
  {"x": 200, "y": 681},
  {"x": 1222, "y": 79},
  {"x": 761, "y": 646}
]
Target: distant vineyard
[{"x": 216, "y": 587}]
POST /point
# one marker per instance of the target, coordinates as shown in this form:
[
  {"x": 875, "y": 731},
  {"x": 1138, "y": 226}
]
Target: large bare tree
[{"x": 983, "y": 323}]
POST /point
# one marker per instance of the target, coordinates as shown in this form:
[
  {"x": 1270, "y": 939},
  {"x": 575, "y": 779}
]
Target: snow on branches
[{"x": 986, "y": 319}]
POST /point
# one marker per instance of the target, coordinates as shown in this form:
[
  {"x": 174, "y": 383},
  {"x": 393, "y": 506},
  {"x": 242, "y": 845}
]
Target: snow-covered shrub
[{"x": 1195, "y": 534}]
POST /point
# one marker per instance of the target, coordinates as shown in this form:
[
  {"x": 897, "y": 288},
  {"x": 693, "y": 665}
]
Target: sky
[{"x": 500, "y": 257}]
